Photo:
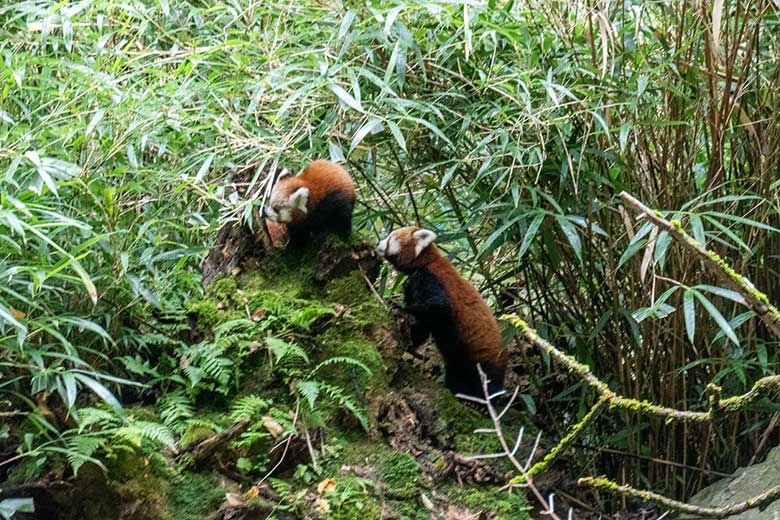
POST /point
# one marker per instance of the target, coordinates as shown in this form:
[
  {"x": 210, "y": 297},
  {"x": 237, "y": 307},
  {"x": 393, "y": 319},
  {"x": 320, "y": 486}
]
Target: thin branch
[
  {"x": 508, "y": 453},
  {"x": 584, "y": 373},
  {"x": 754, "y": 298},
  {"x": 568, "y": 440},
  {"x": 711, "y": 512}
]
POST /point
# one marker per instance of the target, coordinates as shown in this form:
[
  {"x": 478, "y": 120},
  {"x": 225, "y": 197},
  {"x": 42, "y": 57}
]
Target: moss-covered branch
[
  {"x": 754, "y": 298},
  {"x": 764, "y": 387},
  {"x": 583, "y": 372},
  {"x": 710, "y": 512},
  {"x": 608, "y": 399},
  {"x": 567, "y": 441}
]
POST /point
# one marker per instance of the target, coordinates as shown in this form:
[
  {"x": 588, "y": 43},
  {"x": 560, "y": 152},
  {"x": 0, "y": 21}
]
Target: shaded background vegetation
[{"x": 508, "y": 127}]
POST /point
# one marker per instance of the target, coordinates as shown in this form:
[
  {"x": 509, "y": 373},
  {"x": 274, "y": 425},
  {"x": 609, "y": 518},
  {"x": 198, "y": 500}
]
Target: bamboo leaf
[
  {"x": 725, "y": 293},
  {"x": 697, "y": 228},
  {"x": 99, "y": 390},
  {"x": 718, "y": 317},
  {"x": 370, "y": 126},
  {"x": 533, "y": 228},
  {"x": 399, "y": 137},
  {"x": 346, "y": 97},
  {"x": 571, "y": 235},
  {"x": 689, "y": 310}
]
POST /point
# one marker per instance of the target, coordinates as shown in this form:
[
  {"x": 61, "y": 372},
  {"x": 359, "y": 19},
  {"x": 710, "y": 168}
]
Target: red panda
[
  {"x": 320, "y": 198},
  {"x": 445, "y": 305}
]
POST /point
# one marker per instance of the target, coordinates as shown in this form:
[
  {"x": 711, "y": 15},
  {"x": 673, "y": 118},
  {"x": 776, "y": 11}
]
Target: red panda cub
[
  {"x": 445, "y": 305},
  {"x": 319, "y": 199}
]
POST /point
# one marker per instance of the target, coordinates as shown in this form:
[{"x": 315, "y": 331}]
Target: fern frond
[
  {"x": 137, "y": 431},
  {"x": 342, "y": 399},
  {"x": 344, "y": 360},
  {"x": 80, "y": 448},
  {"x": 248, "y": 407},
  {"x": 89, "y": 416},
  {"x": 174, "y": 409},
  {"x": 282, "y": 349},
  {"x": 310, "y": 390}
]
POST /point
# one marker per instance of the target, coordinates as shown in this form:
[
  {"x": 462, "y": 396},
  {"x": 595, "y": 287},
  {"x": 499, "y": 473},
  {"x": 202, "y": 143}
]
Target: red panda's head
[
  {"x": 289, "y": 200},
  {"x": 408, "y": 248}
]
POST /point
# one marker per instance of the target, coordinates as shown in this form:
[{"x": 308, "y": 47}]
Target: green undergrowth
[{"x": 287, "y": 351}]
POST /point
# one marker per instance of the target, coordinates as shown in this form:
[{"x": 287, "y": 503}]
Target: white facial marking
[
  {"x": 393, "y": 246},
  {"x": 381, "y": 248},
  {"x": 424, "y": 238},
  {"x": 299, "y": 199},
  {"x": 271, "y": 214}
]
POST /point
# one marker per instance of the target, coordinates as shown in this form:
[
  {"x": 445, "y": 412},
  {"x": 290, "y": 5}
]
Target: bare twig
[
  {"x": 203, "y": 451},
  {"x": 510, "y": 453}
]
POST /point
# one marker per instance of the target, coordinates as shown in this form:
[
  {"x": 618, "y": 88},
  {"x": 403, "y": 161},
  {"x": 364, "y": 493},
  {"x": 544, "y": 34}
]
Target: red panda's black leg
[
  {"x": 420, "y": 331},
  {"x": 462, "y": 377}
]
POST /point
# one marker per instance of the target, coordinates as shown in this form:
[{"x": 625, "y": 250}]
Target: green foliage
[
  {"x": 194, "y": 495},
  {"x": 353, "y": 499},
  {"x": 10, "y": 506},
  {"x": 505, "y": 126},
  {"x": 248, "y": 407}
]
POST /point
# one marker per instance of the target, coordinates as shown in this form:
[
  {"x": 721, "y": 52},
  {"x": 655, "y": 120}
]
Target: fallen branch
[
  {"x": 203, "y": 451},
  {"x": 754, "y": 298}
]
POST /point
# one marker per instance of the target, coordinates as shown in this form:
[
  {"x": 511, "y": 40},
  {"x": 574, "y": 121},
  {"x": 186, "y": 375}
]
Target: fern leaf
[
  {"x": 338, "y": 395},
  {"x": 343, "y": 360}
]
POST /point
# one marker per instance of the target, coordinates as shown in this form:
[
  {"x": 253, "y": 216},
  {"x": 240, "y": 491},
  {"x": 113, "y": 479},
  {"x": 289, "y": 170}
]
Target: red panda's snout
[{"x": 287, "y": 204}]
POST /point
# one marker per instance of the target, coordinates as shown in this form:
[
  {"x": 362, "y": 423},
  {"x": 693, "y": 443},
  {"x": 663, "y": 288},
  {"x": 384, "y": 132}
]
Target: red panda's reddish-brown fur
[
  {"x": 320, "y": 198},
  {"x": 477, "y": 336},
  {"x": 321, "y": 177}
]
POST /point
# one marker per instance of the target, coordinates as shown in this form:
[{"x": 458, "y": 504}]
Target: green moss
[
  {"x": 409, "y": 510},
  {"x": 743, "y": 284},
  {"x": 223, "y": 288},
  {"x": 340, "y": 342},
  {"x": 206, "y": 313},
  {"x": 287, "y": 310},
  {"x": 460, "y": 420},
  {"x": 401, "y": 475},
  {"x": 144, "y": 413},
  {"x": 502, "y": 504},
  {"x": 194, "y": 495},
  {"x": 459, "y": 417},
  {"x": 195, "y": 433}
]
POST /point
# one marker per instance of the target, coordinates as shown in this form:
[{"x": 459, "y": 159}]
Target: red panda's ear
[
  {"x": 282, "y": 174},
  {"x": 299, "y": 199},
  {"x": 423, "y": 238}
]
